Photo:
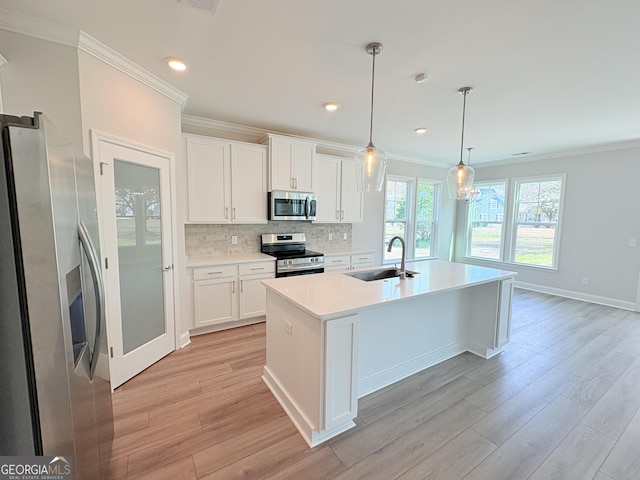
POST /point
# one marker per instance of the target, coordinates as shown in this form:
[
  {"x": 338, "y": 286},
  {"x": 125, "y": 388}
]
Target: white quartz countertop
[
  {"x": 206, "y": 261},
  {"x": 330, "y": 251},
  {"x": 333, "y": 294}
]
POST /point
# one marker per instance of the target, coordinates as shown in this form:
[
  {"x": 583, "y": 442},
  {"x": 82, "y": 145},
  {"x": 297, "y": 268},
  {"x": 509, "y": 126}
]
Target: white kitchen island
[{"x": 332, "y": 339}]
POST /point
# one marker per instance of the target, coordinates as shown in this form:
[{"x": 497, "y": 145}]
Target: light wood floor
[{"x": 562, "y": 402}]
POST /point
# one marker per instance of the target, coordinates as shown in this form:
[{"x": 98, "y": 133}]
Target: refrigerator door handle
[{"x": 98, "y": 288}]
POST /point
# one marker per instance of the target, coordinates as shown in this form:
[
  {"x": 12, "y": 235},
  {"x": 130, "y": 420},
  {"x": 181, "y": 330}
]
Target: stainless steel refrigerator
[{"x": 55, "y": 395}]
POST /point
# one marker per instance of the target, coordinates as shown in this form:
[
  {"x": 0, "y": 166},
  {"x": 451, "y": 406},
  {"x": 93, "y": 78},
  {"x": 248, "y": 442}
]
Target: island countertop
[{"x": 331, "y": 295}]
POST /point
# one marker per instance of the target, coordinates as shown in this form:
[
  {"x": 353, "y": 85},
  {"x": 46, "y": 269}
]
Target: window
[
  {"x": 529, "y": 235},
  {"x": 537, "y": 210},
  {"x": 486, "y": 221},
  {"x": 410, "y": 212}
]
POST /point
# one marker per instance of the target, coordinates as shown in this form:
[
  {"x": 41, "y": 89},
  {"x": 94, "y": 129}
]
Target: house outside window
[
  {"x": 410, "y": 212},
  {"x": 486, "y": 224}
]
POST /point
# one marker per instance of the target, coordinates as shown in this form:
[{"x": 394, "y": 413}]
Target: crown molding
[
  {"x": 38, "y": 28},
  {"x": 223, "y": 126},
  {"x": 604, "y": 147},
  {"x": 99, "y": 50},
  {"x": 261, "y": 133},
  {"x": 52, "y": 32}
]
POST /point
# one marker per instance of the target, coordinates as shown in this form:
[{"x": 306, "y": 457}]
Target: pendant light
[
  {"x": 372, "y": 161},
  {"x": 460, "y": 177},
  {"x": 469, "y": 196}
]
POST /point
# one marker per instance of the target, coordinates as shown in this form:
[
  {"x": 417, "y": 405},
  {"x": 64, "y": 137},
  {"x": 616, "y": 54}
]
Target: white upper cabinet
[
  {"x": 227, "y": 181},
  {"x": 291, "y": 164},
  {"x": 209, "y": 180},
  {"x": 338, "y": 197},
  {"x": 249, "y": 183}
]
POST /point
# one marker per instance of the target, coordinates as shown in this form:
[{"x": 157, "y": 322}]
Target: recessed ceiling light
[
  {"x": 331, "y": 106},
  {"x": 421, "y": 130},
  {"x": 176, "y": 64}
]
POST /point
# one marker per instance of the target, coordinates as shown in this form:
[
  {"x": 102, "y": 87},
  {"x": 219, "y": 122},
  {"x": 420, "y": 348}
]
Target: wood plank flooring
[{"x": 561, "y": 402}]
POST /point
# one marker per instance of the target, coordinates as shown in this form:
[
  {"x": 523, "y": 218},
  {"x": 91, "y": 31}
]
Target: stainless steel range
[{"x": 292, "y": 254}]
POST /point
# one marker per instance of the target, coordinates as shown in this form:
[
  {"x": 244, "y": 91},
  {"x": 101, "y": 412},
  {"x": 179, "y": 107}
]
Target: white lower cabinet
[
  {"x": 336, "y": 263},
  {"x": 229, "y": 293}
]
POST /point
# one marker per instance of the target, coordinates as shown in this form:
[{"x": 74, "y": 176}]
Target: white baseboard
[
  {"x": 310, "y": 434},
  {"x": 392, "y": 375},
  {"x": 185, "y": 339},
  {"x": 585, "y": 297},
  {"x": 226, "y": 325}
]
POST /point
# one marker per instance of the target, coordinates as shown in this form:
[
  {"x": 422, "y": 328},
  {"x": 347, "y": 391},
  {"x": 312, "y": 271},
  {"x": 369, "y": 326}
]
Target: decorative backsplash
[{"x": 216, "y": 239}]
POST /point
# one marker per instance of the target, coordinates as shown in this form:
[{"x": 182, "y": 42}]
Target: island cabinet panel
[
  {"x": 504, "y": 313},
  {"x": 341, "y": 367}
]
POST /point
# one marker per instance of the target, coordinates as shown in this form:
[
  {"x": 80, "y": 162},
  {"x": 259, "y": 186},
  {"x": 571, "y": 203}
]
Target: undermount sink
[{"x": 380, "y": 274}]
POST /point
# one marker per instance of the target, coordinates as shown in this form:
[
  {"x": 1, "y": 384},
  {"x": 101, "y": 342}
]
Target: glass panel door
[{"x": 139, "y": 233}]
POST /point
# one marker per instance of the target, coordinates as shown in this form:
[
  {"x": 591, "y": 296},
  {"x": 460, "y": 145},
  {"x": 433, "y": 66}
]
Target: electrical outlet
[
  {"x": 632, "y": 242},
  {"x": 346, "y": 236},
  {"x": 234, "y": 239},
  {"x": 288, "y": 327},
  {"x": 331, "y": 236},
  {"x": 585, "y": 280}
]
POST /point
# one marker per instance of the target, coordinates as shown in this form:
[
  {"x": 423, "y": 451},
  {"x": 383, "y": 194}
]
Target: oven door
[
  {"x": 292, "y": 272},
  {"x": 292, "y": 206}
]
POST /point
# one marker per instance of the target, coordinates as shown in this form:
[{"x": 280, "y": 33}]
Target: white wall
[
  {"x": 601, "y": 213},
  {"x": 369, "y": 234},
  {"x": 41, "y": 76}
]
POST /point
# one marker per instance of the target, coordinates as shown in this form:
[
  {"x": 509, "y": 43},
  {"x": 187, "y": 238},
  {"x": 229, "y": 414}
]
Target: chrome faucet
[{"x": 401, "y": 273}]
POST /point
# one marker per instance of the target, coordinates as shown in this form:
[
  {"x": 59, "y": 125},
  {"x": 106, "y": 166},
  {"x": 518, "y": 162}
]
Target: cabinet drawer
[
  {"x": 366, "y": 258},
  {"x": 257, "y": 268},
  {"x": 220, "y": 271},
  {"x": 334, "y": 261}
]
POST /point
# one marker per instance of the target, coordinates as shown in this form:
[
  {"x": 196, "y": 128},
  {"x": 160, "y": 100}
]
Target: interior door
[{"x": 137, "y": 249}]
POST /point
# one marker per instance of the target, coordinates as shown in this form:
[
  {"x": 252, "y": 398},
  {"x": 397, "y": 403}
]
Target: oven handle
[{"x": 294, "y": 268}]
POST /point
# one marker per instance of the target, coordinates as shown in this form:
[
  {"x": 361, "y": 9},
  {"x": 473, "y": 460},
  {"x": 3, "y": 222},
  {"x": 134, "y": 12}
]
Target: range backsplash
[{"x": 216, "y": 239}]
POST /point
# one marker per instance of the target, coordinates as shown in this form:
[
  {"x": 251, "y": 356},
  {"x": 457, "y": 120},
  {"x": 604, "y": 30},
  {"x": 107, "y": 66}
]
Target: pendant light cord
[
  {"x": 464, "y": 107},
  {"x": 373, "y": 76}
]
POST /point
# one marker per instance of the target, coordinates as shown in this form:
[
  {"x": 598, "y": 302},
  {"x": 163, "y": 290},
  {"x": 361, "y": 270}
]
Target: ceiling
[{"x": 548, "y": 75}]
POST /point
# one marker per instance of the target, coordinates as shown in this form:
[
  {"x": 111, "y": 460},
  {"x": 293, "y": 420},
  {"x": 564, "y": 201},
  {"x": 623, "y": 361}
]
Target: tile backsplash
[{"x": 216, "y": 239}]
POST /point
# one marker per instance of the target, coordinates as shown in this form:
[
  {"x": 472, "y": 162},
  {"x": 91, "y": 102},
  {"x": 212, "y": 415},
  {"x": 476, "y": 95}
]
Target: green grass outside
[{"x": 534, "y": 246}]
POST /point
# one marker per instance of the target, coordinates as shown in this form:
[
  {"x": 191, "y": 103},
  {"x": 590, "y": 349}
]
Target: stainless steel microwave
[{"x": 292, "y": 206}]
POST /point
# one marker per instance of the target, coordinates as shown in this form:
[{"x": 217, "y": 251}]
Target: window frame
[
  {"x": 411, "y": 220},
  {"x": 516, "y": 182},
  {"x": 503, "y": 222},
  {"x": 510, "y": 221}
]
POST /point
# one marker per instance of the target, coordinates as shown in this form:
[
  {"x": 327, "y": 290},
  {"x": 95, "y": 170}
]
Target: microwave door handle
[
  {"x": 307, "y": 207},
  {"x": 98, "y": 287}
]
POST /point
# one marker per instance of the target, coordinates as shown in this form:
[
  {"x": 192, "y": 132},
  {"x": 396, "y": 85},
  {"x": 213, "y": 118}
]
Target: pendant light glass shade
[
  {"x": 372, "y": 165},
  {"x": 372, "y": 161},
  {"x": 460, "y": 178},
  {"x": 460, "y": 181}
]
